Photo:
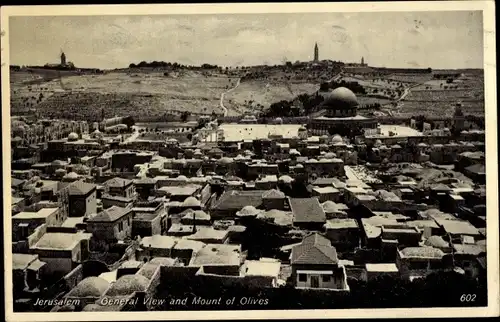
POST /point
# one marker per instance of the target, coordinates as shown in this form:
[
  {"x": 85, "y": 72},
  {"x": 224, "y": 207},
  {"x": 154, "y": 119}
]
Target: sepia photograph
[{"x": 228, "y": 161}]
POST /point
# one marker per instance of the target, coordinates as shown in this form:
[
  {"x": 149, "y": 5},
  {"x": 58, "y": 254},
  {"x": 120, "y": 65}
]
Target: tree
[
  {"x": 129, "y": 122},
  {"x": 184, "y": 116}
]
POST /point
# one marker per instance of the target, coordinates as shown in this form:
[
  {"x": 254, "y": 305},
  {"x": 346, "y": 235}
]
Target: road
[
  {"x": 133, "y": 137},
  {"x": 336, "y": 77},
  {"x": 350, "y": 173},
  {"x": 226, "y": 92}
]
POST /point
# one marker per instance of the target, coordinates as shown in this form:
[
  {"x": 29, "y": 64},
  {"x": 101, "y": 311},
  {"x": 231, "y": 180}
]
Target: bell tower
[{"x": 63, "y": 58}]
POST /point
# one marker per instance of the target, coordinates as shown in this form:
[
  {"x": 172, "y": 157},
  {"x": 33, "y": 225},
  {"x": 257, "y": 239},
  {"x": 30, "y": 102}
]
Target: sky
[{"x": 452, "y": 39}]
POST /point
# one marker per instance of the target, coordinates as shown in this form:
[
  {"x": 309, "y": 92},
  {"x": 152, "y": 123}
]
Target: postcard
[{"x": 256, "y": 161}]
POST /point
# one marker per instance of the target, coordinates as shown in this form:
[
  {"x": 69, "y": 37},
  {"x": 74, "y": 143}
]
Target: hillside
[{"x": 151, "y": 94}]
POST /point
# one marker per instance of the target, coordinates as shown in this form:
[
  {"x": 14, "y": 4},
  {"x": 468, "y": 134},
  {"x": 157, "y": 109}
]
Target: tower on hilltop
[
  {"x": 362, "y": 61},
  {"x": 316, "y": 52},
  {"x": 63, "y": 58}
]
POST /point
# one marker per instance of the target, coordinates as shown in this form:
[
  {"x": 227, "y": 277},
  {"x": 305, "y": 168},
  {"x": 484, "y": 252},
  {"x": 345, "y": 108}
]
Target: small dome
[
  {"x": 337, "y": 139},
  {"x": 57, "y": 163},
  {"x": 182, "y": 178},
  {"x": 329, "y": 206},
  {"x": 72, "y": 136},
  {"x": 302, "y": 128},
  {"x": 225, "y": 160},
  {"x": 273, "y": 194},
  {"x": 90, "y": 287},
  {"x": 93, "y": 307},
  {"x": 198, "y": 214},
  {"x": 60, "y": 172},
  {"x": 191, "y": 202},
  {"x": 71, "y": 175},
  {"x": 285, "y": 179},
  {"x": 341, "y": 98},
  {"x": 128, "y": 284},
  {"x": 436, "y": 241},
  {"x": 330, "y": 155},
  {"x": 248, "y": 211}
]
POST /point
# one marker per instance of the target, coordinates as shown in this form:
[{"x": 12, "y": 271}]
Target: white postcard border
[{"x": 488, "y": 9}]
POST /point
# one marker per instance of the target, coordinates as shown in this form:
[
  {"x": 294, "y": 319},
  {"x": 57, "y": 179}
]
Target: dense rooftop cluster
[{"x": 319, "y": 201}]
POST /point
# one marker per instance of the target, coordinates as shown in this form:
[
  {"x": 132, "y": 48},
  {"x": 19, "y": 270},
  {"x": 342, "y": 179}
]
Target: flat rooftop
[
  {"x": 398, "y": 130},
  {"x": 386, "y": 268},
  {"x": 239, "y": 132}
]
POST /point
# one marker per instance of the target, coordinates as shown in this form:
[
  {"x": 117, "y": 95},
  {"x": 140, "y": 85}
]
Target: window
[
  {"x": 302, "y": 278},
  {"x": 326, "y": 278},
  {"x": 120, "y": 226}
]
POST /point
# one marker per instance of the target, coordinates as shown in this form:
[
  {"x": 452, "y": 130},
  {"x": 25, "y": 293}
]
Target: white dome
[
  {"x": 72, "y": 136},
  {"x": 71, "y": 175},
  {"x": 337, "y": 139}
]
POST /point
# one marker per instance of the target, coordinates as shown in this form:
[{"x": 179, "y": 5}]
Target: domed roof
[
  {"x": 248, "y": 211},
  {"x": 225, "y": 160},
  {"x": 341, "y": 98},
  {"x": 73, "y": 136},
  {"x": 71, "y": 175},
  {"x": 329, "y": 206},
  {"x": 198, "y": 214},
  {"x": 60, "y": 171},
  {"x": 436, "y": 241},
  {"x": 285, "y": 178},
  {"x": 57, "y": 162},
  {"x": 128, "y": 284},
  {"x": 90, "y": 287},
  {"x": 273, "y": 194},
  {"x": 337, "y": 139},
  {"x": 191, "y": 202},
  {"x": 93, "y": 307},
  {"x": 181, "y": 178}
]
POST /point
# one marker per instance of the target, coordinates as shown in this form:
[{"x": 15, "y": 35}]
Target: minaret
[
  {"x": 316, "y": 52},
  {"x": 362, "y": 61}
]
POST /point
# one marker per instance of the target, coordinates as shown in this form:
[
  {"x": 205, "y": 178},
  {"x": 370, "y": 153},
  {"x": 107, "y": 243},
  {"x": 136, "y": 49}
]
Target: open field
[
  {"x": 148, "y": 95},
  {"x": 136, "y": 94},
  {"x": 257, "y": 95},
  {"x": 438, "y": 98},
  {"x": 439, "y": 108}
]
